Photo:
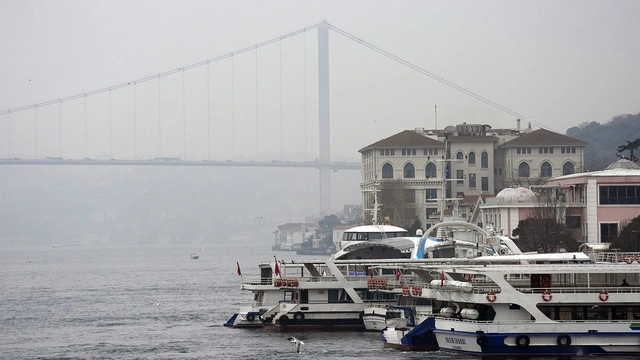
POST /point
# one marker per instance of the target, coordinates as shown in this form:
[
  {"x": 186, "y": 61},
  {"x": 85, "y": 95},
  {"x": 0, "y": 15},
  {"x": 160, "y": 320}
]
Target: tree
[
  {"x": 325, "y": 229},
  {"x": 629, "y": 237},
  {"x": 397, "y": 203},
  {"x": 545, "y": 229},
  {"x": 631, "y": 146},
  {"x": 415, "y": 226}
]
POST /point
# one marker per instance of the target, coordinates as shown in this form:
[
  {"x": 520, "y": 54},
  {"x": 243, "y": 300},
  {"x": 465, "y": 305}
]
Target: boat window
[
  {"x": 373, "y": 236},
  {"x": 288, "y": 296},
  {"x": 333, "y": 296},
  {"x": 363, "y": 236}
]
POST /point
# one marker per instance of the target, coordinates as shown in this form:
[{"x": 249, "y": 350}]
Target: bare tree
[
  {"x": 518, "y": 181},
  {"x": 545, "y": 230},
  {"x": 398, "y": 203}
]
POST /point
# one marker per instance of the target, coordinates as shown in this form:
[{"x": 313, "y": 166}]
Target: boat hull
[
  {"x": 418, "y": 338},
  {"x": 539, "y": 344}
]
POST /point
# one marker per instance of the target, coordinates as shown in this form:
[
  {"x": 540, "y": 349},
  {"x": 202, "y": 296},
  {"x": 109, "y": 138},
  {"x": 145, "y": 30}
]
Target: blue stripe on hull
[{"x": 496, "y": 346}]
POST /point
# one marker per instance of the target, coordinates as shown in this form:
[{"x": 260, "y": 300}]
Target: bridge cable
[
  {"x": 166, "y": 73},
  {"x": 425, "y": 72}
]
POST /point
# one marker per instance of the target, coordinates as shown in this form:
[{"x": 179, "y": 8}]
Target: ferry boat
[
  {"x": 317, "y": 295},
  {"x": 539, "y": 305}
]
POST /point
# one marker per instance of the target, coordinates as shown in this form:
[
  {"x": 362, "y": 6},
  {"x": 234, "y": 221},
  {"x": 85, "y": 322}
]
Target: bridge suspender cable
[{"x": 154, "y": 77}]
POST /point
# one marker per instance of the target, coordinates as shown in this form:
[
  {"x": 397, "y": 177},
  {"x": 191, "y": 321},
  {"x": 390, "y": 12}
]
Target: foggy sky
[{"x": 559, "y": 63}]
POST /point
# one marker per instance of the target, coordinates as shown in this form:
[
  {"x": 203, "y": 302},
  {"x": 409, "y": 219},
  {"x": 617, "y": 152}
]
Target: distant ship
[{"x": 66, "y": 244}]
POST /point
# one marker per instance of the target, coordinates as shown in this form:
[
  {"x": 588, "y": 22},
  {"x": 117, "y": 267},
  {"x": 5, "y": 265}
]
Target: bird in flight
[
  {"x": 157, "y": 302},
  {"x": 297, "y": 343}
]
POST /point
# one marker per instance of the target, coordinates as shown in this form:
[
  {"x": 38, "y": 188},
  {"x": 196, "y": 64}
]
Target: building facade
[{"x": 463, "y": 160}]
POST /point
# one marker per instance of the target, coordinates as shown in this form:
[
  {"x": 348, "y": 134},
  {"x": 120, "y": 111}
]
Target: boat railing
[
  {"x": 529, "y": 322},
  {"x": 614, "y": 257},
  {"x": 391, "y": 282},
  {"x": 593, "y": 289}
]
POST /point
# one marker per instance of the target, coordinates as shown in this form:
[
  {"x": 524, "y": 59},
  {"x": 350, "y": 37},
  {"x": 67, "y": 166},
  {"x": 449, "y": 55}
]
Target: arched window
[
  {"x": 567, "y": 168},
  {"x": 545, "y": 169},
  {"x": 472, "y": 158},
  {"x": 523, "y": 170},
  {"x": 459, "y": 155},
  {"x": 430, "y": 171},
  {"x": 387, "y": 171},
  {"x": 409, "y": 171},
  {"x": 484, "y": 160}
]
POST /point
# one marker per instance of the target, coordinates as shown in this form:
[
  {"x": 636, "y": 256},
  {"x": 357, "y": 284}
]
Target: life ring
[
  {"x": 416, "y": 291},
  {"x": 522, "y": 340},
  {"x": 482, "y": 340},
  {"x": 405, "y": 290},
  {"x": 629, "y": 259},
  {"x": 546, "y": 296},
  {"x": 428, "y": 335},
  {"x": 250, "y": 317},
  {"x": 563, "y": 340},
  {"x": 603, "y": 295},
  {"x": 491, "y": 296},
  {"x": 284, "y": 319},
  {"x": 298, "y": 316}
]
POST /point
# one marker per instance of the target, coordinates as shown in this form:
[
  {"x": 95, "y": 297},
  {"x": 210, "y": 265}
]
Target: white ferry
[
  {"x": 317, "y": 295},
  {"x": 539, "y": 305}
]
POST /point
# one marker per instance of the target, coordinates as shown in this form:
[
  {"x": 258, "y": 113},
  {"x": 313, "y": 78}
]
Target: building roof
[
  {"x": 470, "y": 138},
  {"x": 290, "y": 226},
  {"x": 622, "y": 167},
  {"x": 406, "y": 138},
  {"x": 544, "y": 137}
]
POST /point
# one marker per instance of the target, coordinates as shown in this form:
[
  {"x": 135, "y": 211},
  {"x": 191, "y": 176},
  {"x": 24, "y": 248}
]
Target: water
[{"x": 100, "y": 303}]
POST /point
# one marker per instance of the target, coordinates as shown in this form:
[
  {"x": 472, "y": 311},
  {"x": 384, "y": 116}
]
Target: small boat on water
[{"x": 195, "y": 256}]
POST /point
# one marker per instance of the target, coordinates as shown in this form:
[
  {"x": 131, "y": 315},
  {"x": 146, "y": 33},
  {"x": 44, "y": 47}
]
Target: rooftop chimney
[{"x": 518, "y": 127}]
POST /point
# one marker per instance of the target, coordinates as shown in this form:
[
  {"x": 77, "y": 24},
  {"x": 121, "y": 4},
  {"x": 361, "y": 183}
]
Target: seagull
[
  {"x": 157, "y": 302},
  {"x": 297, "y": 343}
]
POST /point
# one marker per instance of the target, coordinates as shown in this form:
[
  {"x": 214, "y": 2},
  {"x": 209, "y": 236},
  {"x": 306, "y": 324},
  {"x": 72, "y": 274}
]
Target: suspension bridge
[{"x": 199, "y": 115}]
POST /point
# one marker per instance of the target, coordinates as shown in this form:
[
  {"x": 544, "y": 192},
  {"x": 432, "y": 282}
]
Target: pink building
[
  {"x": 599, "y": 203},
  {"x": 602, "y": 201}
]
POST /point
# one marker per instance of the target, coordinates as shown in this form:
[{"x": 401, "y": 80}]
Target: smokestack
[{"x": 518, "y": 127}]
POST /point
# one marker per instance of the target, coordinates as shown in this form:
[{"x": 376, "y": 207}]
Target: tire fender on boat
[
  {"x": 563, "y": 340},
  {"x": 284, "y": 319},
  {"x": 361, "y": 315},
  {"x": 250, "y": 317},
  {"x": 522, "y": 340},
  {"x": 428, "y": 335},
  {"x": 482, "y": 340},
  {"x": 298, "y": 316}
]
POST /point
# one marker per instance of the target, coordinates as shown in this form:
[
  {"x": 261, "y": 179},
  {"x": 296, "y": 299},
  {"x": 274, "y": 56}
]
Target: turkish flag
[
  {"x": 442, "y": 279},
  {"x": 371, "y": 273},
  {"x": 398, "y": 275},
  {"x": 239, "y": 272},
  {"x": 277, "y": 268}
]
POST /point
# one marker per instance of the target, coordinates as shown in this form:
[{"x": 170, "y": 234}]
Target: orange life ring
[
  {"x": 405, "y": 290},
  {"x": 546, "y": 296},
  {"x": 629, "y": 259},
  {"x": 491, "y": 296},
  {"x": 603, "y": 295}
]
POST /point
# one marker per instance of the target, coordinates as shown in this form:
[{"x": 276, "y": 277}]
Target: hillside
[{"x": 604, "y": 139}]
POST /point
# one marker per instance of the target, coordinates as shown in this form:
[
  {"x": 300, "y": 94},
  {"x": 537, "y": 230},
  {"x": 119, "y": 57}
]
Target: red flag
[
  {"x": 371, "y": 273},
  {"x": 239, "y": 272},
  {"x": 398, "y": 275},
  {"x": 470, "y": 277},
  {"x": 277, "y": 268},
  {"x": 442, "y": 279}
]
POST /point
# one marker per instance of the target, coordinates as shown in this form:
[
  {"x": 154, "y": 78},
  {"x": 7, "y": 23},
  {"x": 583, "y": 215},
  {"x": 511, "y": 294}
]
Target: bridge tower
[{"x": 324, "y": 118}]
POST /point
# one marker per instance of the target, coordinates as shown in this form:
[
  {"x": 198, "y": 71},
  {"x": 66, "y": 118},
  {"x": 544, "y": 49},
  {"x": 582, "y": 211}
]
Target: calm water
[{"x": 100, "y": 302}]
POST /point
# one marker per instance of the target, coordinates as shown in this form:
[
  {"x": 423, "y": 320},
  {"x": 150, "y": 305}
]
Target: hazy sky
[{"x": 558, "y": 63}]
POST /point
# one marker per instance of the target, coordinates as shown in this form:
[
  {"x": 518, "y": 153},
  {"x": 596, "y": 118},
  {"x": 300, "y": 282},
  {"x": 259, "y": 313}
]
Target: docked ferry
[{"x": 539, "y": 305}]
